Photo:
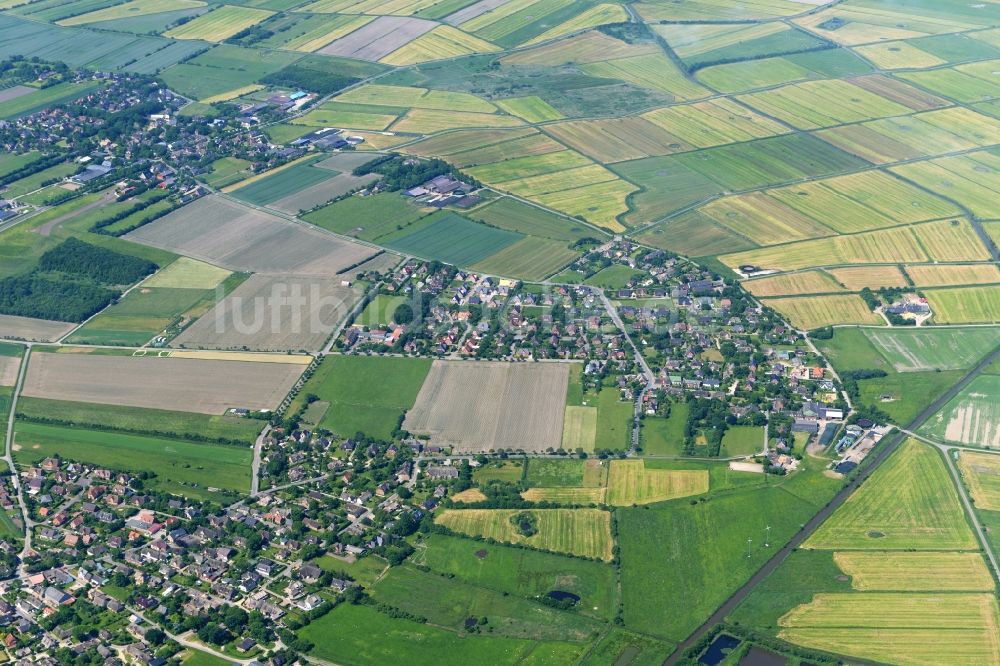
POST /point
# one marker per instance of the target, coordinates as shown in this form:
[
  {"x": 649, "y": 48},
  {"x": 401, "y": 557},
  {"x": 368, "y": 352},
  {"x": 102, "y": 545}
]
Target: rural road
[
  {"x": 257, "y": 446},
  {"x": 877, "y": 457},
  {"x": 9, "y": 452}
]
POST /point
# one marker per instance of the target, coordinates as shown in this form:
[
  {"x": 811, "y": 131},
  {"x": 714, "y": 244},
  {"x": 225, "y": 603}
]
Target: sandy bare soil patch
[
  {"x": 202, "y": 386},
  {"x": 228, "y": 234},
  {"x": 33, "y": 330},
  {"x": 379, "y": 38},
  {"x": 479, "y": 406},
  {"x": 9, "y": 366},
  {"x": 273, "y": 314}
]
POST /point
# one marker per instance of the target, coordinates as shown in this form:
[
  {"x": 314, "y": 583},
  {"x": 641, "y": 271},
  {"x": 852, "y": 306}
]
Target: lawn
[
  {"x": 366, "y": 394},
  {"x": 502, "y": 470},
  {"x": 742, "y": 441},
  {"x": 665, "y": 436},
  {"x": 910, "y": 502},
  {"x": 226, "y": 171},
  {"x": 614, "y": 419},
  {"x": 583, "y": 532},
  {"x": 180, "y": 467},
  {"x": 613, "y": 277},
  {"x": 555, "y": 473},
  {"x": 379, "y": 312}
]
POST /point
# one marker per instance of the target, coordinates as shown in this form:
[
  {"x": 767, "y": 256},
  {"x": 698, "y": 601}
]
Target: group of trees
[{"x": 77, "y": 258}]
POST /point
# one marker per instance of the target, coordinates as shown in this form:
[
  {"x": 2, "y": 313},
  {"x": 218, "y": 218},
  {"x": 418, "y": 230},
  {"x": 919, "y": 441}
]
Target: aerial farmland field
[
  {"x": 972, "y": 417},
  {"x": 202, "y": 386},
  {"x": 452, "y": 413},
  {"x": 981, "y": 472}
]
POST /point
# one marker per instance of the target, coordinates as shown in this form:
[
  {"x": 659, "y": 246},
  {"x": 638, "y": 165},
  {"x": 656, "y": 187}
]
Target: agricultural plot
[
  {"x": 270, "y": 313},
  {"x": 704, "y": 44},
  {"x": 588, "y": 47},
  {"x": 631, "y": 482},
  {"x": 899, "y": 628},
  {"x": 915, "y": 572},
  {"x": 941, "y": 240},
  {"x": 529, "y": 259},
  {"x": 793, "y": 284},
  {"x": 448, "y": 602},
  {"x": 767, "y": 72},
  {"x": 856, "y": 278},
  {"x": 441, "y": 42},
  {"x": 717, "y": 10},
  {"x": 367, "y": 395},
  {"x": 131, "y": 9},
  {"x": 450, "y": 238},
  {"x": 33, "y": 330},
  {"x": 374, "y": 41},
  {"x": 654, "y": 72},
  {"x": 368, "y": 218},
  {"x": 579, "y": 428},
  {"x": 40, "y": 98},
  {"x": 617, "y": 139},
  {"x": 964, "y": 83},
  {"x": 193, "y": 385},
  {"x": 209, "y": 228},
  {"x": 920, "y": 135},
  {"x": 858, "y": 23},
  {"x": 195, "y": 469},
  {"x": 946, "y": 275},
  {"x": 220, "y": 24},
  {"x": 973, "y": 180},
  {"x": 909, "y": 503},
  {"x": 520, "y": 571},
  {"x": 522, "y": 21},
  {"x": 714, "y": 123},
  {"x": 600, "y": 204},
  {"x": 811, "y": 312},
  {"x": 313, "y": 32},
  {"x": 223, "y": 69},
  {"x": 802, "y": 104},
  {"x": 972, "y": 417},
  {"x": 595, "y": 16},
  {"x": 582, "y": 532},
  {"x": 965, "y": 305},
  {"x": 282, "y": 182},
  {"x": 485, "y": 406},
  {"x": 428, "y": 121},
  {"x": 898, "y": 55},
  {"x": 513, "y": 215},
  {"x": 981, "y": 473},
  {"x": 923, "y": 349},
  {"x": 9, "y": 366},
  {"x": 416, "y": 98}
]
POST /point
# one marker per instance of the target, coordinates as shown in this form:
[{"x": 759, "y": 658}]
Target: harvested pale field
[
  {"x": 187, "y": 273},
  {"x": 419, "y": 98},
  {"x": 586, "y": 48},
  {"x": 565, "y": 495},
  {"x": 429, "y": 121},
  {"x": 809, "y": 312},
  {"x": 972, "y": 417},
  {"x": 947, "y": 275},
  {"x": 915, "y": 572},
  {"x": 714, "y": 123},
  {"x": 14, "y": 92},
  {"x": 580, "y": 428},
  {"x": 442, "y": 42},
  {"x": 533, "y": 108},
  {"x": 981, "y": 472},
  {"x": 32, "y": 330},
  {"x": 617, "y": 139},
  {"x": 219, "y": 24},
  {"x": 225, "y": 233},
  {"x": 481, "y": 406},
  {"x": 9, "y": 366},
  {"x": 379, "y": 38},
  {"x": 631, "y": 482},
  {"x": 583, "y": 532},
  {"x": 270, "y": 313},
  {"x": 965, "y": 305},
  {"x": 472, "y": 11},
  {"x": 951, "y": 240},
  {"x": 908, "y": 629},
  {"x": 469, "y": 496},
  {"x": 793, "y": 284},
  {"x": 763, "y": 220},
  {"x": 186, "y": 385},
  {"x": 856, "y": 278},
  {"x": 252, "y": 357}
]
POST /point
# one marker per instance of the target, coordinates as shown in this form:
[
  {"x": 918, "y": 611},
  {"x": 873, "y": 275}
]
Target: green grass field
[
  {"x": 452, "y": 239},
  {"x": 60, "y": 93},
  {"x": 970, "y": 418},
  {"x": 921, "y": 349},
  {"x": 909, "y": 503},
  {"x": 448, "y": 602},
  {"x": 614, "y": 419},
  {"x": 161, "y": 421},
  {"x": 138, "y": 317},
  {"x": 10, "y": 162},
  {"x": 742, "y": 441},
  {"x": 363, "y": 636},
  {"x": 514, "y": 215},
  {"x": 227, "y": 171},
  {"x": 181, "y": 467},
  {"x": 670, "y": 586},
  {"x": 625, "y": 647},
  {"x": 283, "y": 183},
  {"x": 379, "y": 312},
  {"x": 499, "y": 470},
  {"x": 521, "y": 572},
  {"x": 366, "y": 394},
  {"x": 367, "y": 218},
  {"x": 665, "y": 436}
]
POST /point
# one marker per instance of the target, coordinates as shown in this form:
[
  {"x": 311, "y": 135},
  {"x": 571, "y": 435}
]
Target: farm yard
[
  {"x": 204, "y": 386},
  {"x": 472, "y": 406}
]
